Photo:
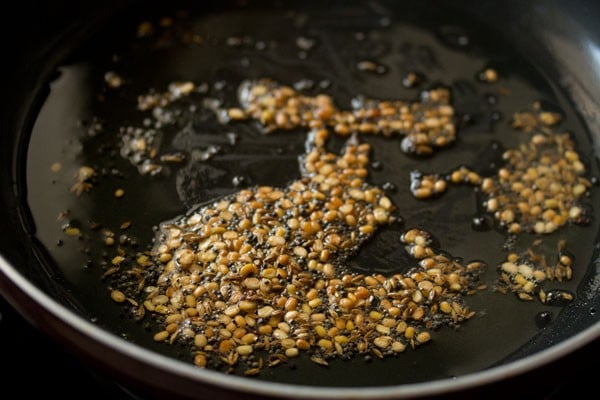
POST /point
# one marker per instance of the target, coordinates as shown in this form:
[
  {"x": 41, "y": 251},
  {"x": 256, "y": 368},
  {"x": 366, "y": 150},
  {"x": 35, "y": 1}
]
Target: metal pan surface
[{"x": 68, "y": 117}]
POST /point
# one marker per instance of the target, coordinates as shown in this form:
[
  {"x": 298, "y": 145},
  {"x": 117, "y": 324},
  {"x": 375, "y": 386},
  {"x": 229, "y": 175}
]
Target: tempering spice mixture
[
  {"x": 425, "y": 125},
  {"x": 263, "y": 269},
  {"x": 538, "y": 190},
  {"x": 260, "y": 276}
]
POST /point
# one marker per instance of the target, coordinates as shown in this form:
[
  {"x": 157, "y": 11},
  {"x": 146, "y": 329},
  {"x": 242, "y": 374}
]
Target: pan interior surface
[{"x": 324, "y": 45}]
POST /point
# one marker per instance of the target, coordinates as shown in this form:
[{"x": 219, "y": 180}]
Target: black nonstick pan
[{"x": 73, "y": 99}]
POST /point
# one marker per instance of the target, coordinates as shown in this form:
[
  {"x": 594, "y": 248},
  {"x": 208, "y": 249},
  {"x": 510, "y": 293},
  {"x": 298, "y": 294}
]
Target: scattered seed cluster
[
  {"x": 524, "y": 274},
  {"x": 538, "y": 189},
  {"x": 83, "y": 180},
  {"x": 175, "y": 91},
  {"x": 140, "y": 145},
  {"x": 262, "y": 272},
  {"x": 427, "y": 186},
  {"x": 530, "y": 121},
  {"x": 426, "y": 125}
]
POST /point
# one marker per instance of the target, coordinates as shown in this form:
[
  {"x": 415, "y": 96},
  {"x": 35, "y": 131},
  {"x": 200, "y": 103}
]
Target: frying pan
[{"x": 543, "y": 51}]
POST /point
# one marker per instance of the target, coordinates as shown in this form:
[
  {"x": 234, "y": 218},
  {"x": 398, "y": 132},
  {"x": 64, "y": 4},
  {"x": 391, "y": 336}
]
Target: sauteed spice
[
  {"x": 83, "y": 180},
  {"x": 263, "y": 270},
  {"x": 175, "y": 91},
  {"x": 141, "y": 144},
  {"x": 538, "y": 189},
  {"x": 262, "y": 273},
  {"x": 260, "y": 276},
  {"x": 426, "y": 125},
  {"x": 524, "y": 274}
]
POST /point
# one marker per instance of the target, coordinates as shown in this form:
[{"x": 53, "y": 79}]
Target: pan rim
[{"x": 170, "y": 365}]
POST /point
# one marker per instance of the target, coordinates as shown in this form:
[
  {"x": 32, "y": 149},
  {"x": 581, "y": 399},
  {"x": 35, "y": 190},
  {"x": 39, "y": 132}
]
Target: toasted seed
[
  {"x": 247, "y": 306},
  {"x": 72, "y": 231},
  {"x": 319, "y": 360},
  {"x": 398, "y": 347},
  {"x": 280, "y": 334},
  {"x": 382, "y": 342},
  {"x": 325, "y": 344},
  {"x": 117, "y": 296},
  {"x": 161, "y": 336},
  {"x": 265, "y": 312},
  {"x": 252, "y": 371},
  {"x": 244, "y": 350},
  {"x": 320, "y": 330},
  {"x": 236, "y": 113},
  {"x": 292, "y": 352},
  {"x": 423, "y": 337},
  {"x": 200, "y": 340},
  {"x": 200, "y": 360},
  {"x": 384, "y": 330}
]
